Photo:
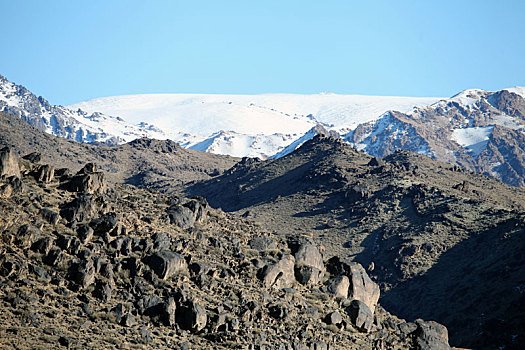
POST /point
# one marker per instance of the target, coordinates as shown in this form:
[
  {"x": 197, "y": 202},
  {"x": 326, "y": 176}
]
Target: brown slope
[
  {"x": 429, "y": 227},
  {"x": 156, "y": 164}
]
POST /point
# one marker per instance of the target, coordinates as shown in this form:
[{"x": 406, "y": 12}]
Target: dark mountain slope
[
  {"x": 156, "y": 164},
  {"x": 418, "y": 224}
]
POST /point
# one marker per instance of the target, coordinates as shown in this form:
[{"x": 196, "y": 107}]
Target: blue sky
[{"x": 69, "y": 51}]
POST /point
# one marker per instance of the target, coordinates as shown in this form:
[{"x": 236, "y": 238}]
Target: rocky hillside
[
  {"x": 84, "y": 264},
  {"x": 154, "y": 164},
  {"x": 476, "y": 129},
  {"x": 441, "y": 242}
]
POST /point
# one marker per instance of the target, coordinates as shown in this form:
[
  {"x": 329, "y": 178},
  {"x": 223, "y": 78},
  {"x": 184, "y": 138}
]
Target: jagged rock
[
  {"x": 79, "y": 209},
  {"x": 83, "y": 273},
  {"x": 360, "y": 315},
  {"x": 107, "y": 224},
  {"x": 39, "y": 272},
  {"x": 280, "y": 274},
  {"x": 362, "y": 287},
  {"x": 338, "y": 286},
  {"x": 34, "y": 157},
  {"x": 44, "y": 173},
  {"x": 26, "y": 235},
  {"x": 192, "y": 316},
  {"x": 309, "y": 266},
  {"x": 9, "y": 163},
  {"x": 166, "y": 264},
  {"x": 103, "y": 290},
  {"x": 50, "y": 216},
  {"x": 87, "y": 181},
  {"x": 12, "y": 267},
  {"x": 187, "y": 214},
  {"x": 43, "y": 245},
  {"x": 161, "y": 241},
  {"x": 54, "y": 257},
  {"x": 85, "y": 233},
  {"x": 12, "y": 186},
  {"x": 431, "y": 335},
  {"x": 263, "y": 243}
]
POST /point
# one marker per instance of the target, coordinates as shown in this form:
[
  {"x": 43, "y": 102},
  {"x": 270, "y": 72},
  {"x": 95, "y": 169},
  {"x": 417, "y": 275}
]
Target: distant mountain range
[{"x": 475, "y": 129}]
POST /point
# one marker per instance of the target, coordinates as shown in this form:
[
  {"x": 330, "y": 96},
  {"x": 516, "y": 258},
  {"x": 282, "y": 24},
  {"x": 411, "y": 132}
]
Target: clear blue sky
[{"x": 69, "y": 51}]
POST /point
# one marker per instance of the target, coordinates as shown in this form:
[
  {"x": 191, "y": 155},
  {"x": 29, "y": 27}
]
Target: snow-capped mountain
[
  {"x": 477, "y": 129},
  {"x": 93, "y": 127},
  {"x": 249, "y": 125}
]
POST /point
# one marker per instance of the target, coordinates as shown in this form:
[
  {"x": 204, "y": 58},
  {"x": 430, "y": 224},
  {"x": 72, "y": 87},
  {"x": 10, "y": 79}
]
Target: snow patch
[{"x": 474, "y": 139}]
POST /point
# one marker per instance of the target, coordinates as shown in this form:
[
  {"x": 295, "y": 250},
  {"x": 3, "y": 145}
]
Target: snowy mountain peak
[{"x": 94, "y": 127}]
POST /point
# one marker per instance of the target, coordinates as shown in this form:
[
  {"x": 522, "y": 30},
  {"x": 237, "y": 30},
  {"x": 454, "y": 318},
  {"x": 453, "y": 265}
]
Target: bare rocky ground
[
  {"x": 443, "y": 243},
  {"x": 89, "y": 265}
]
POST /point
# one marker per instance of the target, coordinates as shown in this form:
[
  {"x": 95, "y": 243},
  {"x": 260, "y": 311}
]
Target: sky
[{"x": 70, "y": 51}]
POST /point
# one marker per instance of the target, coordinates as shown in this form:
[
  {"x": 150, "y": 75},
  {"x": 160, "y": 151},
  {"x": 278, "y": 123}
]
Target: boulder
[
  {"x": 279, "y": 275},
  {"x": 431, "y": 335},
  {"x": 334, "y": 318},
  {"x": 44, "y": 173},
  {"x": 87, "y": 180},
  {"x": 106, "y": 224},
  {"x": 85, "y": 233},
  {"x": 12, "y": 185},
  {"x": 186, "y": 215},
  {"x": 192, "y": 317},
  {"x": 50, "y": 216},
  {"x": 82, "y": 273},
  {"x": 34, "y": 157},
  {"x": 360, "y": 315},
  {"x": 79, "y": 209},
  {"x": 9, "y": 163},
  {"x": 309, "y": 266},
  {"x": 362, "y": 287},
  {"x": 166, "y": 264},
  {"x": 338, "y": 286}
]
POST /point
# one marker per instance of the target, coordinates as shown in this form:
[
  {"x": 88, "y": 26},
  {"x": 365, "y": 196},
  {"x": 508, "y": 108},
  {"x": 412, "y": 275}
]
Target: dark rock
[
  {"x": 362, "y": 287},
  {"x": 87, "y": 182},
  {"x": 185, "y": 215},
  {"x": 103, "y": 290},
  {"x": 107, "y": 224},
  {"x": 43, "y": 245},
  {"x": 12, "y": 186},
  {"x": 82, "y": 273},
  {"x": 26, "y": 235},
  {"x": 166, "y": 264},
  {"x": 360, "y": 315},
  {"x": 34, "y": 157},
  {"x": 89, "y": 168},
  {"x": 431, "y": 335},
  {"x": 63, "y": 341},
  {"x": 54, "y": 257},
  {"x": 85, "y": 233},
  {"x": 192, "y": 316},
  {"x": 50, "y": 216},
  {"x": 278, "y": 311},
  {"x": 308, "y": 275},
  {"x": 79, "y": 209},
  {"x": 44, "y": 173}
]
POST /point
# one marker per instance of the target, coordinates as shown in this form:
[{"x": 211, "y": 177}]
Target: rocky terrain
[
  {"x": 87, "y": 264},
  {"x": 155, "y": 164},
  {"x": 441, "y": 242}
]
